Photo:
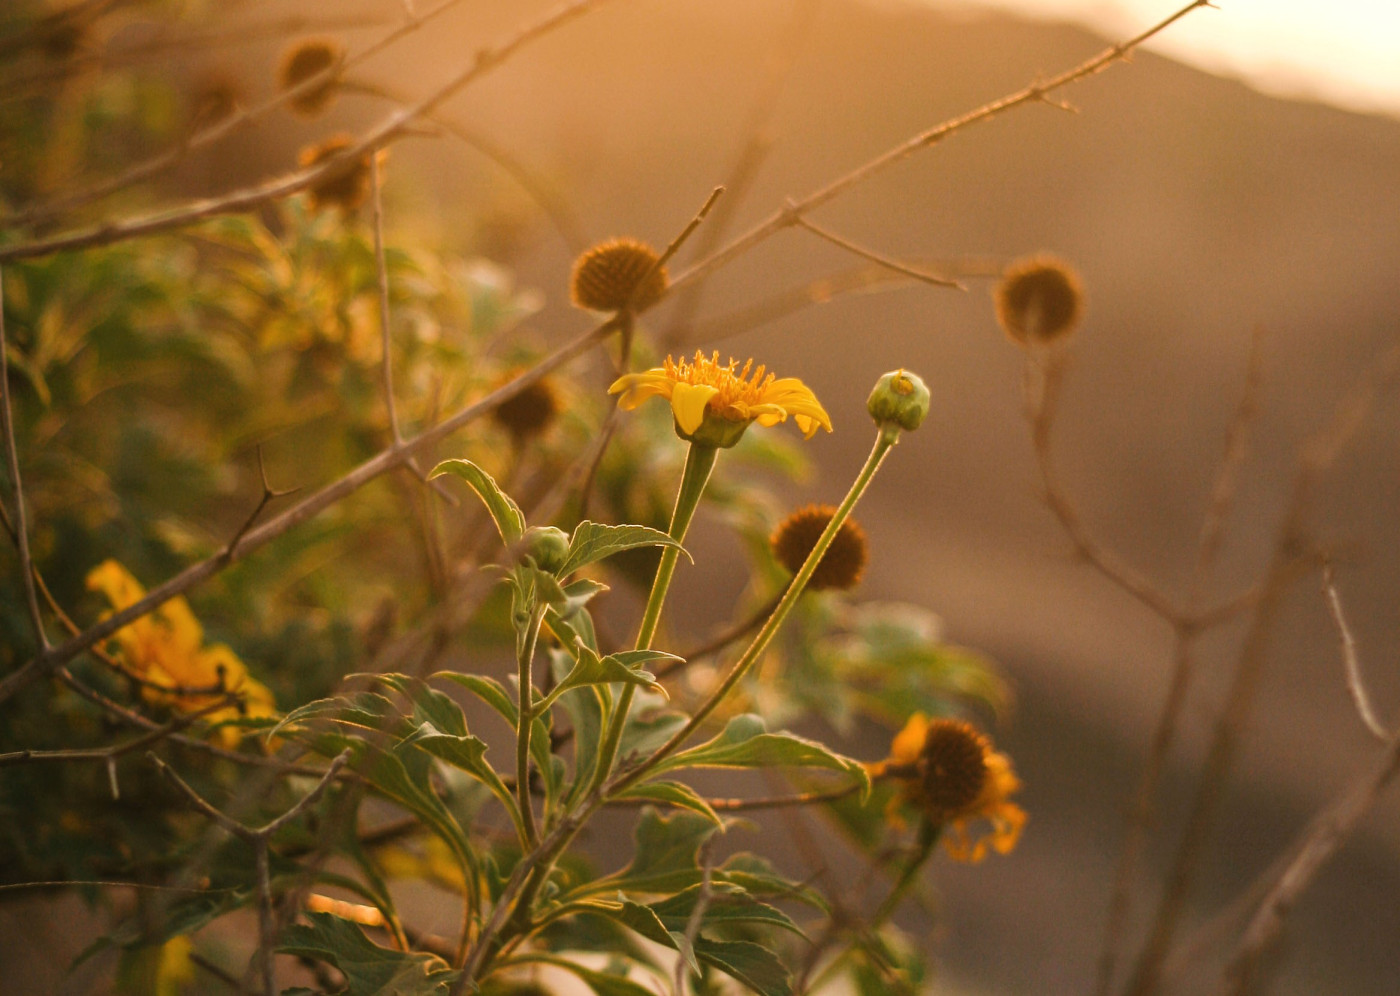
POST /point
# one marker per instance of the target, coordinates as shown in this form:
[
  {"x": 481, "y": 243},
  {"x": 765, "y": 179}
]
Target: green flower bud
[
  {"x": 900, "y": 398},
  {"x": 548, "y": 546}
]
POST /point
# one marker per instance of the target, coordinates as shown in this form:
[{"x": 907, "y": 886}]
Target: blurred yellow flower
[
  {"x": 714, "y": 402},
  {"x": 165, "y": 649},
  {"x": 952, "y": 773}
]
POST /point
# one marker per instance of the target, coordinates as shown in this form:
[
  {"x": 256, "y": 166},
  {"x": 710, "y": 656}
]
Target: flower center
[{"x": 739, "y": 389}]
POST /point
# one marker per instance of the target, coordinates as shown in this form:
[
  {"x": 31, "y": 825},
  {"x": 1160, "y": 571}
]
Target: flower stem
[
  {"x": 699, "y": 462},
  {"x": 884, "y": 441},
  {"x": 525, "y": 654}
]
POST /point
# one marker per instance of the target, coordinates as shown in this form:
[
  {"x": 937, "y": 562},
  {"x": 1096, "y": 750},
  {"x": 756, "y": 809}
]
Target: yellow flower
[
  {"x": 952, "y": 773},
  {"x": 714, "y": 402},
  {"x": 166, "y": 650}
]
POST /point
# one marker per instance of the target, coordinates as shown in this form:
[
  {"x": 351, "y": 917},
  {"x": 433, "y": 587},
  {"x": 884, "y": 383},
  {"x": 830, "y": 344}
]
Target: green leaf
[
  {"x": 368, "y": 968},
  {"x": 746, "y": 743},
  {"x": 489, "y": 690},
  {"x": 600, "y": 982},
  {"x": 429, "y": 705},
  {"x": 752, "y": 964},
  {"x": 727, "y": 904},
  {"x": 673, "y": 794},
  {"x": 510, "y": 521},
  {"x": 593, "y": 541},
  {"x": 623, "y": 668},
  {"x": 465, "y": 753}
]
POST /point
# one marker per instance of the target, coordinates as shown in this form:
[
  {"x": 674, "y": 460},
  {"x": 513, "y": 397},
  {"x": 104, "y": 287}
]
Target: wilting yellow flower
[
  {"x": 166, "y": 650},
  {"x": 952, "y": 773},
  {"x": 715, "y": 402}
]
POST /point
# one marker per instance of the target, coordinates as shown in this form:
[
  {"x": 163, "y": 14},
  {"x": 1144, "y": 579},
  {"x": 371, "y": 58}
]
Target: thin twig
[
  {"x": 382, "y": 267},
  {"x": 697, "y": 913},
  {"x": 1355, "y": 685},
  {"x": 1142, "y": 812},
  {"x": 117, "y": 750},
  {"x": 754, "y": 151},
  {"x": 1317, "y": 457},
  {"x": 877, "y": 258},
  {"x": 1035, "y": 93},
  {"x": 258, "y": 838},
  {"x": 21, "y": 527},
  {"x": 1327, "y": 833},
  {"x": 719, "y": 642}
]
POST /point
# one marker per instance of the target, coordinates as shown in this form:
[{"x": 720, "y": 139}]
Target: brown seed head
[
  {"x": 606, "y": 276},
  {"x": 300, "y": 63},
  {"x": 347, "y": 186},
  {"x": 530, "y": 412},
  {"x": 844, "y": 561},
  {"x": 953, "y": 766},
  {"x": 1039, "y": 299}
]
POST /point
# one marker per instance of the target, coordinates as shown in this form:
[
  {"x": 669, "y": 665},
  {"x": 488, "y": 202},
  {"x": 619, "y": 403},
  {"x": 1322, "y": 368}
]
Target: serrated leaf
[
  {"x": 368, "y": 969},
  {"x": 510, "y": 521},
  {"x": 593, "y": 541},
  {"x": 746, "y": 743},
  {"x": 429, "y": 705},
  {"x": 727, "y": 904},
  {"x": 673, "y": 794},
  {"x": 752, "y": 964},
  {"x": 623, "y": 668}
]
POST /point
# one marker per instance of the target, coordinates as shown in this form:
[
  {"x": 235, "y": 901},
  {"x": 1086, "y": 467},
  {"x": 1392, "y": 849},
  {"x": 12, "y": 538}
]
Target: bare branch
[
  {"x": 787, "y": 216},
  {"x": 1355, "y": 684},
  {"x": 1289, "y": 559},
  {"x": 386, "y": 362},
  {"x": 1326, "y": 834},
  {"x": 20, "y": 527},
  {"x": 875, "y": 257}
]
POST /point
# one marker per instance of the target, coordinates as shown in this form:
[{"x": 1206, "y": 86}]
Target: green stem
[
  {"x": 883, "y": 442},
  {"x": 699, "y": 462},
  {"x": 525, "y": 655}
]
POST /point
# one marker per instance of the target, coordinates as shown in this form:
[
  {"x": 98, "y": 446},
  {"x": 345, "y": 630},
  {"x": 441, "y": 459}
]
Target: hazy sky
[{"x": 1342, "y": 51}]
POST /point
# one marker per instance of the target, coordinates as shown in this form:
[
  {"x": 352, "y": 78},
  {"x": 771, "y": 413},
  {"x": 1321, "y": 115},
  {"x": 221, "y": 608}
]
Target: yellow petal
[
  {"x": 688, "y": 402},
  {"x": 798, "y": 399},
  {"x": 638, "y": 387},
  {"x": 117, "y": 583},
  {"x": 909, "y": 741}
]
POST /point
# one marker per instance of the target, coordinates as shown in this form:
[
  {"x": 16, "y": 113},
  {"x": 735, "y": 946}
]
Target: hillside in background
[{"x": 1195, "y": 210}]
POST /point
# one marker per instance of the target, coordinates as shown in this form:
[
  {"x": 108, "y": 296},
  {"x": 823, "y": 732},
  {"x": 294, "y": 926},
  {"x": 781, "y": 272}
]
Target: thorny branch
[
  {"x": 1326, "y": 834},
  {"x": 1289, "y": 559},
  {"x": 1142, "y": 811},
  {"x": 258, "y": 837}
]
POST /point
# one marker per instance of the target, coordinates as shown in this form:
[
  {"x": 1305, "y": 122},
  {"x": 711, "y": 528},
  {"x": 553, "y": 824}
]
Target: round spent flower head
[
  {"x": 606, "y": 276},
  {"x": 300, "y": 63},
  {"x": 531, "y": 411},
  {"x": 713, "y": 403},
  {"x": 843, "y": 563},
  {"x": 900, "y": 398},
  {"x": 1039, "y": 300},
  {"x": 951, "y": 773},
  {"x": 346, "y": 187}
]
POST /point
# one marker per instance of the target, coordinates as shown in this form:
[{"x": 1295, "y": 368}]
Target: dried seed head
[
  {"x": 953, "y": 766},
  {"x": 217, "y": 97},
  {"x": 300, "y": 63},
  {"x": 347, "y": 186},
  {"x": 844, "y": 561},
  {"x": 1039, "y": 300},
  {"x": 606, "y": 276},
  {"x": 530, "y": 412}
]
